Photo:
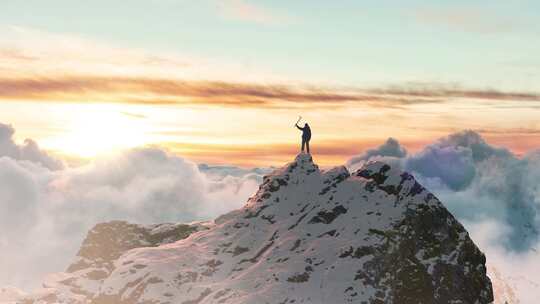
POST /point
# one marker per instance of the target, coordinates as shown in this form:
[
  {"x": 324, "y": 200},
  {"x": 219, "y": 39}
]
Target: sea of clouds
[{"x": 47, "y": 207}]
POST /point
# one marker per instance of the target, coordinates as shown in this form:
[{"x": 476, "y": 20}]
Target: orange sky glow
[
  {"x": 80, "y": 98},
  {"x": 253, "y": 136}
]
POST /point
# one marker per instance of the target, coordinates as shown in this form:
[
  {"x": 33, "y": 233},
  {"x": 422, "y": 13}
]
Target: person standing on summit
[{"x": 306, "y": 136}]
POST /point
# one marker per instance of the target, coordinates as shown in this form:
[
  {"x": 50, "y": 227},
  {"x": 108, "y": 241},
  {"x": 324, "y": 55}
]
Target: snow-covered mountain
[{"x": 306, "y": 236}]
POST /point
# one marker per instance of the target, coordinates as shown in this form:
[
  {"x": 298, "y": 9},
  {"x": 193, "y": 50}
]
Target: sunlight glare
[{"x": 99, "y": 129}]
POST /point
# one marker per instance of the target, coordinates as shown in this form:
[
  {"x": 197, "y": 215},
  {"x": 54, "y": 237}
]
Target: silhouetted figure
[{"x": 306, "y": 136}]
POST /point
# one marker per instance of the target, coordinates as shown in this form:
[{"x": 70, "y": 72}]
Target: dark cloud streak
[{"x": 169, "y": 92}]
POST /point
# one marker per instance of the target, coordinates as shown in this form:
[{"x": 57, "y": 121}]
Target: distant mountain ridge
[{"x": 306, "y": 236}]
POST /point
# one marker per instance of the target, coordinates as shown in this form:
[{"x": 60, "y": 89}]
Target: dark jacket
[{"x": 306, "y": 132}]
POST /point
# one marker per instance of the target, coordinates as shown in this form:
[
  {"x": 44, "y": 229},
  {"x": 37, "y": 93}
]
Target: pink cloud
[{"x": 245, "y": 11}]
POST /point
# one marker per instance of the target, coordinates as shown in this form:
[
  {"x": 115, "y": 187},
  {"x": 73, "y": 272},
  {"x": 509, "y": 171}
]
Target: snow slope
[{"x": 306, "y": 236}]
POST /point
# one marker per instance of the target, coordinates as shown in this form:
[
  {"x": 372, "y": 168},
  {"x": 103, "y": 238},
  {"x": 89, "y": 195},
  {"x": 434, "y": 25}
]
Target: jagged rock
[
  {"x": 306, "y": 236},
  {"x": 108, "y": 241}
]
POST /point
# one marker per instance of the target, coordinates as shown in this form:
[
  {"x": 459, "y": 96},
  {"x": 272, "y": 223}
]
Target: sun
[{"x": 99, "y": 129}]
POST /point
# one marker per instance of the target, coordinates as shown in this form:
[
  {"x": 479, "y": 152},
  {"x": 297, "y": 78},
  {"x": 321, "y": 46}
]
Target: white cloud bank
[
  {"x": 27, "y": 151},
  {"x": 46, "y": 209}
]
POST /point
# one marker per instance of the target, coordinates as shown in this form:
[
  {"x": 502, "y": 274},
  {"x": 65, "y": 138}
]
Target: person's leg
[
  {"x": 303, "y": 144},
  {"x": 307, "y": 146}
]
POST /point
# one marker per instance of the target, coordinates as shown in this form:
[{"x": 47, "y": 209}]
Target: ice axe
[{"x": 299, "y": 118}]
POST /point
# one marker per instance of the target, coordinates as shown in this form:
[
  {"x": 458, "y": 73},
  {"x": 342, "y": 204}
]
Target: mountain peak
[
  {"x": 307, "y": 236},
  {"x": 302, "y": 165}
]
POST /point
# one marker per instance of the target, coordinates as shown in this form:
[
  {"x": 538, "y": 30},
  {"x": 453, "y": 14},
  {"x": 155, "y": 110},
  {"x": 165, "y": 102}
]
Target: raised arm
[{"x": 299, "y": 128}]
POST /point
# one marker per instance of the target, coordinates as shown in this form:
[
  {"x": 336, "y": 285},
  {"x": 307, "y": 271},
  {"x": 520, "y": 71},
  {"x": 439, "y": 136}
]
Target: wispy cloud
[
  {"x": 452, "y": 91},
  {"x": 32, "y": 52},
  {"x": 14, "y": 54},
  {"x": 134, "y": 115},
  {"x": 41, "y": 66},
  {"x": 138, "y": 90},
  {"x": 167, "y": 91},
  {"x": 514, "y": 131},
  {"x": 244, "y": 10},
  {"x": 468, "y": 19}
]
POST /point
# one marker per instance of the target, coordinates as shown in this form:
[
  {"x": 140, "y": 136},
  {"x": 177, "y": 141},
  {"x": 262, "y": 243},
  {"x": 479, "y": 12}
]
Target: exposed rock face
[
  {"x": 374, "y": 236},
  {"x": 105, "y": 243}
]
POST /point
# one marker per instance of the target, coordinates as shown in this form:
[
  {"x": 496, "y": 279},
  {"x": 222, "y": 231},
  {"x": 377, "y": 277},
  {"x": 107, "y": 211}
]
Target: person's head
[{"x": 306, "y": 125}]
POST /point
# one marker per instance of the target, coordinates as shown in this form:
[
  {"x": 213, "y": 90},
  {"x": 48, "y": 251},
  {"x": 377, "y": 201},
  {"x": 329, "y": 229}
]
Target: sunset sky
[
  {"x": 224, "y": 81},
  {"x": 158, "y": 111}
]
